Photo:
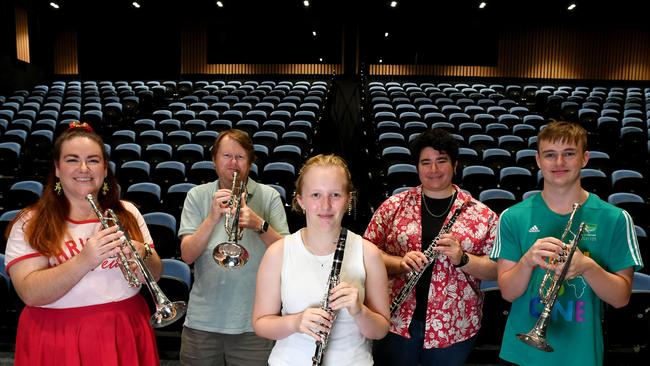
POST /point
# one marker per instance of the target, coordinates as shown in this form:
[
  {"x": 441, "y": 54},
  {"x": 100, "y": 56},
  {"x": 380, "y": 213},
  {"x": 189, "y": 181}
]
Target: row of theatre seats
[
  {"x": 159, "y": 137},
  {"x": 496, "y": 126},
  {"x": 159, "y": 154},
  {"x": 169, "y": 133}
]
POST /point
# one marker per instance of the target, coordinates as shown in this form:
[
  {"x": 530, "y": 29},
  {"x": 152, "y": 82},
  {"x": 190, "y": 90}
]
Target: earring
[
  {"x": 105, "y": 188},
  {"x": 58, "y": 188},
  {"x": 352, "y": 204}
]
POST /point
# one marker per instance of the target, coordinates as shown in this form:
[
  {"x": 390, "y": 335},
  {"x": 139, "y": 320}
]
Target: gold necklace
[{"x": 451, "y": 201}]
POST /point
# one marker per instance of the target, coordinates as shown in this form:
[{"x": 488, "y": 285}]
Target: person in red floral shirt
[{"x": 438, "y": 322}]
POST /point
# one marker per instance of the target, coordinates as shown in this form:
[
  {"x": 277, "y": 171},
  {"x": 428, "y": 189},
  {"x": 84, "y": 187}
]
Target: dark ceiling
[{"x": 363, "y": 12}]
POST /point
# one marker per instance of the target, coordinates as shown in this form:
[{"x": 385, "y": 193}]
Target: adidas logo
[{"x": 533, "y": 229}]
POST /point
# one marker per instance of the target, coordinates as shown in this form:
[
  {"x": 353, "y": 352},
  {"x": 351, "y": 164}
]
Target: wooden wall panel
[
  {"x": 66, "y": 59},
  {"x": 22, "y": 35},
  {"x": 553, "y": 53},
  {"x": 194, "y": 61}
]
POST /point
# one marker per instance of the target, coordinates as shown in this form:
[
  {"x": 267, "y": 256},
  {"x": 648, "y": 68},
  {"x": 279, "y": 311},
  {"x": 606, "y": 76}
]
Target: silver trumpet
[
  {"x": 167, "y": 312},
  {"x": 231, "y": 254},
  {"x": 548, "y": 294}
]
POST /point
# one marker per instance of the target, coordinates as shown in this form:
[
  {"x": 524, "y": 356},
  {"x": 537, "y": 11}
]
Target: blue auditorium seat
[
  {"x": 194, "y": 126},
  {"x": 188, "y": 154},
  {"x": 497, "y": 199},
  {"x": 168, "y": 125},
  {"x": 162, "y": 227},
  {"x": 517, "y": 180},
  {"x": 145, "y": 195},
  {"x": 625, "y": 180},
  {"x": 174, "y": 199},
  {"x": 220, "y": 125},
  {"x": 144, "y": 124},
  {"x": 177, "y": 138},
  {"x": 17, "y": 136},
  {"x": 135, "y": 171},
  {"x": 23, "y": 193},
  {"x": 287, "y": 153},
  {"x": 390, "y": 139},
  {"x": 126, "y": 152},
  {"x": 497, "y": 158},
  {"x": 468, "y": 129},
  {"x": 149, "y": 137},
  {"x": 248, "y": 125},
  {"x": 477, "y": 178},
  {"x": 480, "y": 142},
  {"x": 511, "y": 143},
  {"x": 122, "y": 137},
  {"x": 401, "y": 175},
  {"x": 168, "y": 173},
  {"x": 266, "y": 138},
  {"x": 626, "y": 331},
  {"x": 301, "y": 126},
  {"x": 280, "y": 173},
  {"x": 496, "y": 130},
  {"x": 595, "y": 181},
  {"x": 157, "y": 153}
]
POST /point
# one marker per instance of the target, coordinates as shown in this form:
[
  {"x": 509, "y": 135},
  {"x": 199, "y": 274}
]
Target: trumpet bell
[
  {"x": 535, "y": 340},
  {"x": 230, "y": 255},
  {"x": 168, "y": 314}
]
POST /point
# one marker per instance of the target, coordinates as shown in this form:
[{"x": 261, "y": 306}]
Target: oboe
[
  {"x": 333, "y": 280},
  {"x": 414, "y": 276}
]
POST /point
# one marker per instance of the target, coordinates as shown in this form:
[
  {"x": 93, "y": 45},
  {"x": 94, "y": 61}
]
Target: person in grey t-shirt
[{"x": 217, "y": 329}]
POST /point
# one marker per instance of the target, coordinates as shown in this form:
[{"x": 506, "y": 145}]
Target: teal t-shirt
[
  {"x": 575, "y": 329},
  {"x": 221, "y": 299}
]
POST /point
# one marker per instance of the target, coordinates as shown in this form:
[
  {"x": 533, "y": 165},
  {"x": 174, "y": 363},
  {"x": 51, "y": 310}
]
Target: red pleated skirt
[{"x": 110, "y": 334}]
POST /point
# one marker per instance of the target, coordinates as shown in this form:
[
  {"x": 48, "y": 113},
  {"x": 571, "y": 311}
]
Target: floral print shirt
[{"x": 455, "y": 303}]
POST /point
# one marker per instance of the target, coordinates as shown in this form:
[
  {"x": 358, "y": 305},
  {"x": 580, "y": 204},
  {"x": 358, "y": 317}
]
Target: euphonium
[
  {"x": 537, "y": 336},
  {"x": 231, "y": 254},
  {"x": 167, "y": 312}
]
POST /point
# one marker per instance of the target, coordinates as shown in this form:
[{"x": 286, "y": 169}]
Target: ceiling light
[
  {"x": 54, "y": 5},
  {"x": 482, "y": 5},
  {"x": 305, "y": 3},
  {"x": 380, "y": 60},
  {"x": 313, "y": 33},
  {"x": 136, "y": 5},
  {"x": 320, "y": 59},
  {"x": 386, "y": 35},
  {"x": 393, "y": 4},
  {"x": 220, "y": 4},
  {"x": 572, "y": 6}
]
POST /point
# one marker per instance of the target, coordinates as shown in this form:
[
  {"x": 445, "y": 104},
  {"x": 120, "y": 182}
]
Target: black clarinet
[{"x": 334, "y": 280}]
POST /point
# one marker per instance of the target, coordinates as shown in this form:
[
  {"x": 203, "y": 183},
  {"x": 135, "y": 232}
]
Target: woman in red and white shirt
[
  {"x": 63, "y": 265},
  {"x": 438, "y": 322}
]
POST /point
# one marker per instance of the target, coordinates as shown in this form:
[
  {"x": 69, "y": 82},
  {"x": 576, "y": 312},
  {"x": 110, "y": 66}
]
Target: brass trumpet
[
  {"x": 231, "y": 254},
  {"x": 548, "y": 294},
  {"x": 167, "y": 312}
]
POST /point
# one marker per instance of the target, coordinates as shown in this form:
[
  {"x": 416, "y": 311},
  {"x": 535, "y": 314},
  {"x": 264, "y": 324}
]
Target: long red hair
[{"x": 46, "y": 226}]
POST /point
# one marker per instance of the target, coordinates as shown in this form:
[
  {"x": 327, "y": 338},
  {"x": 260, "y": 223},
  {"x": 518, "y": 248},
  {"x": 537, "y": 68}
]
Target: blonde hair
[
  {"x": 564, "y": 132},
  {"x": 321, "y": 160}
]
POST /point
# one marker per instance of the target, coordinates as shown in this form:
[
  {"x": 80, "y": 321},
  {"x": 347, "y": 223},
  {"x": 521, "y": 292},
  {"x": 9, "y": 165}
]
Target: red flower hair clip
[{"x": 84, "y": 125}]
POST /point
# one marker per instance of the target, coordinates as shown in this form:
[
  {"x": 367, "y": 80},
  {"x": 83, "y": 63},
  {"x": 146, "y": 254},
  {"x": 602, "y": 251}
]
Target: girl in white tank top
[{"x": 293, "y": 279}]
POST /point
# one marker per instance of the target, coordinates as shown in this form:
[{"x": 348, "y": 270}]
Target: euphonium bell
[
  {"x": 167, "y": 312},
  {"x": 231, "y": 254},
  {"x": 537, "y": 336}
]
